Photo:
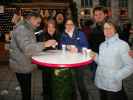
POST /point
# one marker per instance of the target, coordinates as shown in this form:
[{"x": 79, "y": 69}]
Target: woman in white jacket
[{"x": 114, "y": 65}]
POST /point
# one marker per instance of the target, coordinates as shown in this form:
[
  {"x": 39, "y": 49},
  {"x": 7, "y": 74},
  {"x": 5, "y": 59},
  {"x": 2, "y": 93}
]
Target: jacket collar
[
  {"x": 27, "y": 24},
  {"x": 70, "y": 33},
  {"x": 112, "y": 39},
  {"x": 75, "y": 33}
]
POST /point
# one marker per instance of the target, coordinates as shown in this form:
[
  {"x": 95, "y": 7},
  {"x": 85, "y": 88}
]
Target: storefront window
[
  {"x": 105, "y": 3},
  {"x": 86, "y": 3},
  {"x": 123, "y": 3}
]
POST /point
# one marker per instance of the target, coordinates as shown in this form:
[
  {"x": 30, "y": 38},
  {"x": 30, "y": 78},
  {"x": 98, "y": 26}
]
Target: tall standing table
[{"x": 63, "y": 63}]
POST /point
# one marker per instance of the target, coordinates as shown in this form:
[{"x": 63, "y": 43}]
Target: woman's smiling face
[
  {"x": 51, "y": 29},
  {"x": 109, "y": 30}
]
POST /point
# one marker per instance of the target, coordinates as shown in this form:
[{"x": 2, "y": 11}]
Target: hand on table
[
  {"x": 72, "y": 48},
  {"x": 50, "y": 43},
  {"x": 92, "y": 54}
]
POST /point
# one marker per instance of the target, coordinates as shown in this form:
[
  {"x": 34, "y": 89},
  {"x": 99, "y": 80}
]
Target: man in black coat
[{"x": 97, "y": 35}]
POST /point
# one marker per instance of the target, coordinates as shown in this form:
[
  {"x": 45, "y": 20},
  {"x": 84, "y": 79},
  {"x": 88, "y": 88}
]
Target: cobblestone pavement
[{"x": 9, "y": 88}]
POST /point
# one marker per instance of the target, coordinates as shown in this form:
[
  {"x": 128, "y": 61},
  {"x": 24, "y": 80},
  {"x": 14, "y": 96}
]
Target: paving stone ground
[{"x": 9, "y": 87}]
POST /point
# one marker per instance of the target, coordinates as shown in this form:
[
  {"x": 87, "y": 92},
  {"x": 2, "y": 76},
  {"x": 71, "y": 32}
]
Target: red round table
[
  {"x": 61, "y": 59},
  {"x": 63, "y": 63}
]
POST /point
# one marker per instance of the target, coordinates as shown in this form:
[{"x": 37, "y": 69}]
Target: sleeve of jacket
[
  {"x": 62, "y": 41},
  {"x": 27, "y": 42},
  {"x": 83, "y": 41},
  {"x": 127, "y": 61}
]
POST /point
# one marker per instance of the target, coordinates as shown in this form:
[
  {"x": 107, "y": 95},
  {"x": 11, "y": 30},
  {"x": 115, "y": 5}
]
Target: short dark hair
[
  {"x": 70, "y": 20},
  {"x": 99, "y": 8},
  {"x": 52, "y": 21},
  {"x": 33, "y": 14}
]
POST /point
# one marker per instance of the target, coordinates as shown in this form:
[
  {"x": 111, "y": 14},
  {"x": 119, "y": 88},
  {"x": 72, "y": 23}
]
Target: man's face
[
  {"x": 59, "y": 18},
  {"x": 99, "y": 16},
  {"x": 35, "y": 21}
]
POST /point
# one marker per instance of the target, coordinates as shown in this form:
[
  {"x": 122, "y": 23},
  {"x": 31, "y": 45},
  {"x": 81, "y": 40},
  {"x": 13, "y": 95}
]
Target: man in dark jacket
[{"x": 97, "y": 35}]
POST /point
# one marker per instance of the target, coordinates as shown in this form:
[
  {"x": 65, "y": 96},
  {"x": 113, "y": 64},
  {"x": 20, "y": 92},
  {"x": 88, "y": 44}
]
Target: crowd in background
[{"x": 125, "y": 27}]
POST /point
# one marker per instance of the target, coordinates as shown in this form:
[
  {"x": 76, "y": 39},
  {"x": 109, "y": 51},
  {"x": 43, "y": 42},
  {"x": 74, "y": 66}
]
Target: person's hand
[
  {"x": 130, "y": 53},
  {"x": 92, "y": 55},
  {"x": 50, "y": 43},
  {"x": 72, "y": 49},
  {"x": 68, "y": 47}
]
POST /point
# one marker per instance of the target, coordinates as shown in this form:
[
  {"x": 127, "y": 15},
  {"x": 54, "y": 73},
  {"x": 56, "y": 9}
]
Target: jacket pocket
[{"x": 114, "y": 82}]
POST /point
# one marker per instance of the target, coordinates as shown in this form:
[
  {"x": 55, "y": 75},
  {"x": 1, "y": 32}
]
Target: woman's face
[
  {"x": 51, "y": 28},
  {"x": 69, "y": 26},
  {"x": 109, "y": 30}
]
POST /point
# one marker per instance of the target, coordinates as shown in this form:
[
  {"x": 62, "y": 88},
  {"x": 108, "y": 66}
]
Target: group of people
[{"x": 113, "y": 60}]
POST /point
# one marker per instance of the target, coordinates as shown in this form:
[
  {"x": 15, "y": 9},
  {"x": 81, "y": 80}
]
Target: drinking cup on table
[
  {"x": 84, "y": 51},
  {"x": 63, "y": 47}
]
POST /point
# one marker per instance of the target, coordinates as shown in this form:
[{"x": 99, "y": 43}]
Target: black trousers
[
  {"x": 79, "y": 78},
  {"x": 107, "y": 95},
  {"x": 47, "y": 75},
  {"x": 25, "y": 84}
]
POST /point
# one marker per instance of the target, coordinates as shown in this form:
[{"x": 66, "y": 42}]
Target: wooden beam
[{"x": 49, "y": 5}]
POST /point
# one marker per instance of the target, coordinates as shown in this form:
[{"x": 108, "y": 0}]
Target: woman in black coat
[{"x": 50, "y": 33}]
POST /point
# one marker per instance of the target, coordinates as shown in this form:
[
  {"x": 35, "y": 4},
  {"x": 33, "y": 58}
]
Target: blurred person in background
[
  {"x": 16, "y": 17},
  {"x": 124, "y": 25},
  {"x": 87, "y": 29},
  {"x": 131, "y": 42},
  {"x": 60, "y": 19}
]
